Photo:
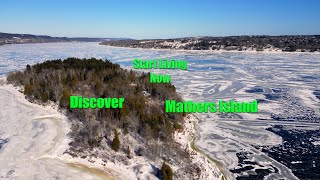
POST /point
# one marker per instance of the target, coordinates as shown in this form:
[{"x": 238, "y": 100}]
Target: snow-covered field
[{"x": 210, "y": 76}]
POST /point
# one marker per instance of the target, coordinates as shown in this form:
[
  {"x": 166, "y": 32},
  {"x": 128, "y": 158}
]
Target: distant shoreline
[
  {"x": 217, "y": 51},
  {"x": 177, "y": 50},
  {"x": 9, "y": 38},
  {"x": 303, "y": 43}
]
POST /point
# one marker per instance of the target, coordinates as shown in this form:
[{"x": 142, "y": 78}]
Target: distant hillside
[
  {"x": 7, "y": 38},
  {"x": 299, "y": 43}
]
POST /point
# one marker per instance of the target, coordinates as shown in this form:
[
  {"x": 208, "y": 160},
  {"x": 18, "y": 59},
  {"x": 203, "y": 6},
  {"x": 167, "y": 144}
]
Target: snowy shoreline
[
  {"x": 265, "y": 51},
  {"x": 37, "y": 138},
  {"x": 187, "y": 138}
]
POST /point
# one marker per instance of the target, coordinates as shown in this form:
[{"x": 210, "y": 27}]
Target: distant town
[{"x": 298, "y": 43}]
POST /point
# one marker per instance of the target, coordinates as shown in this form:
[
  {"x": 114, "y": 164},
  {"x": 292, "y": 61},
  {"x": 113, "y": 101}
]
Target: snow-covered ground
[{"x": 36, "y": 138}]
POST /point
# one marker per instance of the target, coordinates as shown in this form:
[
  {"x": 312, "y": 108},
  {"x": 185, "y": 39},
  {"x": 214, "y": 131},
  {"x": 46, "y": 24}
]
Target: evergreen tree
[
  {"x": 166, "y": 171},
  {"x": 128, "y": 152},
  {"x": 27, "y": 89},
  {"x": 116, "y": 142},
  {"x": 64, "y": 101},
  {"x": 44, "y": 97},
  {"x": 28, "y": 68}
]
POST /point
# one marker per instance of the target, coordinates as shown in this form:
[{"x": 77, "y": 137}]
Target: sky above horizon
[{"x": 144, "y": 19}]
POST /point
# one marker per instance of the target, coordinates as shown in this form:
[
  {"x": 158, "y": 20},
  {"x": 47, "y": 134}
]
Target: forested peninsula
[{"x": 140, "y": 128}]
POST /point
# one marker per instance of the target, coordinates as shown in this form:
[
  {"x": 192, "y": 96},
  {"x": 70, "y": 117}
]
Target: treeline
[
  {"x": 143, "y": 112},
  {"x": 285, "y": 43},
  {"x": 304, "y": 43}
]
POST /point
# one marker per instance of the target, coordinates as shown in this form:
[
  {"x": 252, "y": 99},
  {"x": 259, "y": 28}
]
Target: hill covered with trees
[{"x": 143, "y": 111}]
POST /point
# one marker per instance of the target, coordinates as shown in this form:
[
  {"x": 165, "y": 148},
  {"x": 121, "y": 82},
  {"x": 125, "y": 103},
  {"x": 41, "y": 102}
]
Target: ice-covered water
[{"x": 210, "y": 76}]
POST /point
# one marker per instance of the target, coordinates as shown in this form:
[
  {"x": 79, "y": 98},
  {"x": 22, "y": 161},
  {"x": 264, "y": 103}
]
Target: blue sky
[{"x": 160, "y": 19}]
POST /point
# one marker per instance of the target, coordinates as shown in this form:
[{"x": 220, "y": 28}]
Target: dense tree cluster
[{"x": 143, "y": 112}]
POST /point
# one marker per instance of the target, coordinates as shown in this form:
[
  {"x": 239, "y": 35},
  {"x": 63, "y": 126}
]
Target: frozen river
[{"x": 210, "y": 76}]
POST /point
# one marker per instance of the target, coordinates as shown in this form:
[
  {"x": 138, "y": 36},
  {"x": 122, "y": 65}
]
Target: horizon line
[{"x": 164, "y": 38}]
